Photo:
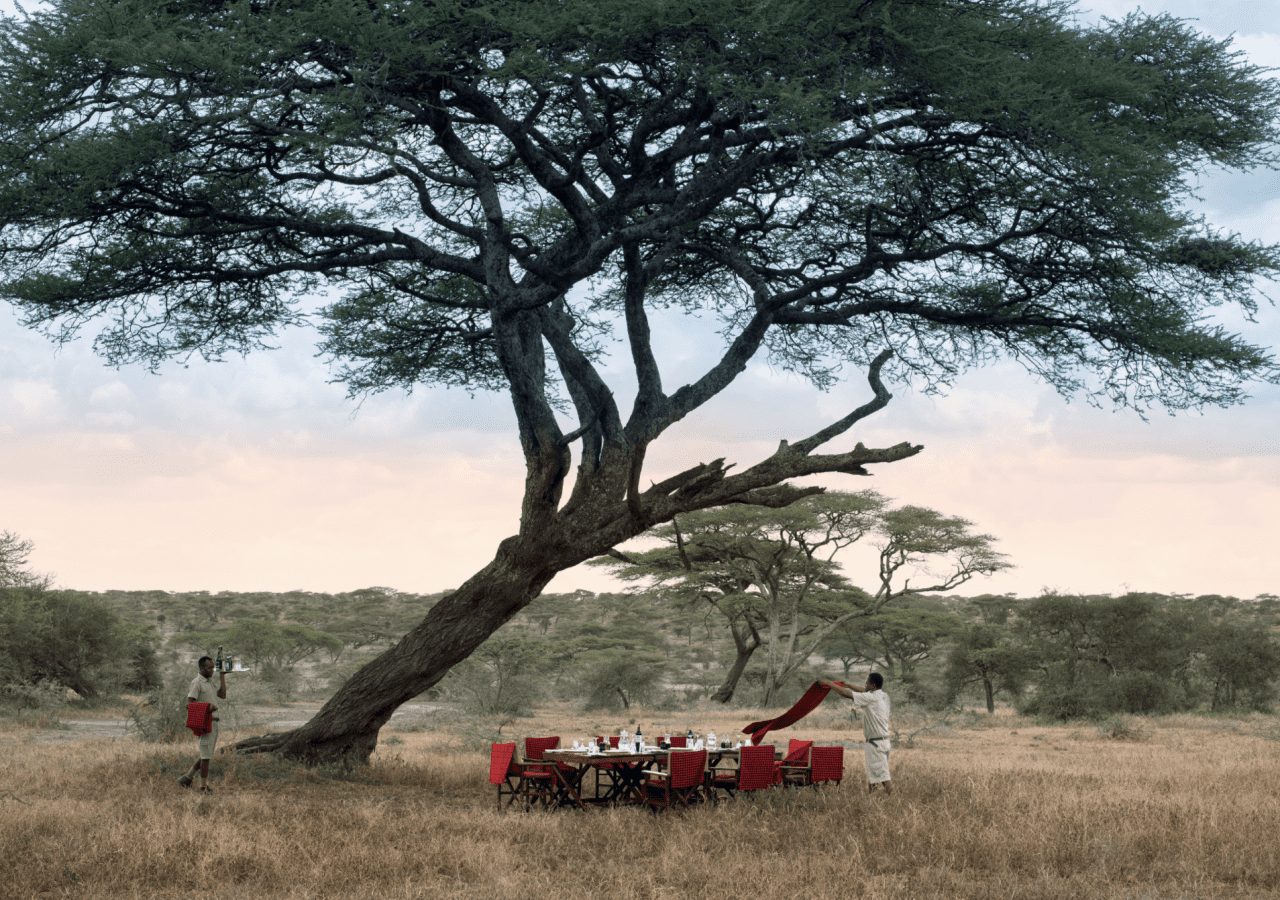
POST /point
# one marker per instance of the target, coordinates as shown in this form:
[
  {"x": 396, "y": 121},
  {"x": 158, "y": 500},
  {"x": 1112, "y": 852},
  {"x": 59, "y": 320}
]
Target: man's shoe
[{"x": 185, "y": 781}]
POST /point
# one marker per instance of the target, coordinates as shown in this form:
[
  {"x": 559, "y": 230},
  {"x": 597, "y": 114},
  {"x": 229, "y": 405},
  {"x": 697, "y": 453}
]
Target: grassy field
[{"x": 1175, "y": 807}]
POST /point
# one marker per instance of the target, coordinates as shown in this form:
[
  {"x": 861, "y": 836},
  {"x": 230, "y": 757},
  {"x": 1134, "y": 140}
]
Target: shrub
[
  {"x": 41, "y": 695},
  {"x": 161, "y": 717},
  {"x": 1122, "y": 728},
  {"x": 37, "y": 705},
  {"x": 1144, "y": 692},
  {"x": 1059, "y": 703},
  {"x": 73, "y": 640}
]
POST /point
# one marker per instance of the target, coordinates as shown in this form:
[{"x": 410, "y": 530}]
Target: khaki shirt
[
  {"x": 873, "y": 706},
  {"x": 203, "y": 690}
]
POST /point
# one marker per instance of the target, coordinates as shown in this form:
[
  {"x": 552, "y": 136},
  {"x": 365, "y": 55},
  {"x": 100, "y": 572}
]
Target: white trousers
[{"x": 877, "y": 759}]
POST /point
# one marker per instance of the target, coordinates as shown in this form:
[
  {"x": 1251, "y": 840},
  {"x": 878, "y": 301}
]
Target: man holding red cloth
[
  {"x": 872, "y": 704},
  {"x": 203, "y": 691}
]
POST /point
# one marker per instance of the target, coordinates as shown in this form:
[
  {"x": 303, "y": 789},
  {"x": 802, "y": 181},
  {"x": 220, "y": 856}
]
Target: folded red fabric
[
  {"x": 807, "y": 703},
  {"x": 200, "y": 718}
]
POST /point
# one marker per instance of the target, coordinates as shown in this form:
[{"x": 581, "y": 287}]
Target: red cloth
[
  {"x": 816, "y": 693},
  {"x": 200, "y": 718}
]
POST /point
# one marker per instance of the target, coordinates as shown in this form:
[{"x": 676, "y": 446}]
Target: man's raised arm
[{"x": 844, "y": 690}]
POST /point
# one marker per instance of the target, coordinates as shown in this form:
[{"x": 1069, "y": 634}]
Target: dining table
[{"x": 626, "y": 769}]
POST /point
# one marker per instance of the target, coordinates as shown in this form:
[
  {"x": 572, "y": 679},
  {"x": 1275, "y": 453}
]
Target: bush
[
  {"x": 73, "y": 640},
  {"x": 1122, "y": 728},
  {"x": 615, "y": 681},
  {"x": 1144, "y": 692},
  {"x": 37, "y": 705},
  {"x": 161, "y": 716},
  {"x": 501, "y": 677},
  {"x": 1060, "y": 703},
  {"x": 41, "y": 695}
]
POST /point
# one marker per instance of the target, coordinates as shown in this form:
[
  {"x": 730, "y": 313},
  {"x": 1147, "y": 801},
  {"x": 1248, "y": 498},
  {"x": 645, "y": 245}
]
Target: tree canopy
[
  {"x": 498, "y": 192},
  {"x": 14, "y": 568},
  {"x": 773, "y": 575}
]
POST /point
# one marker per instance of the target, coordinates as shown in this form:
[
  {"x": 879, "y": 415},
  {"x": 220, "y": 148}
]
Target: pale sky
[{"x": 257, "y": 474}]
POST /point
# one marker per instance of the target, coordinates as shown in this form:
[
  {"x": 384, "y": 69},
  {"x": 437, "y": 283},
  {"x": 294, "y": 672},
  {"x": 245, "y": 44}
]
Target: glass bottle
[{"x": 217, "y": 663}]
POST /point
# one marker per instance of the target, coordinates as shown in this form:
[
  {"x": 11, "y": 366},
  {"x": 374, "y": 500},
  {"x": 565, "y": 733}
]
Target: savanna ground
[{"x": 984, "y": 807}]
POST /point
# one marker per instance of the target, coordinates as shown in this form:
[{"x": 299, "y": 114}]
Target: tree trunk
[
  {"x": 745, "y": 642},
  {"x": 724, "y": 693},
  {"x": 345, "y": 730},
  {"x": 991, "y": 694}
]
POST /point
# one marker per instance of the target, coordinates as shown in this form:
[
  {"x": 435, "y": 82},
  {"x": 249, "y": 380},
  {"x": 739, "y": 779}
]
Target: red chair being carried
[
  {"x": 682, "y": 783},
  {"x": 199, "y": 718},
  {"x": 755, "y": 772}
]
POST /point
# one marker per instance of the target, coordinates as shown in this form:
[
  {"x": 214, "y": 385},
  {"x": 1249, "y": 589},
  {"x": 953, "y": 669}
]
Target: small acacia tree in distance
[
  {"x": 895, "y": 639},
  {"x": 495, "y": 187},
  {"x": 772, "y": 573},
  {"x": 15, "y": 571}
]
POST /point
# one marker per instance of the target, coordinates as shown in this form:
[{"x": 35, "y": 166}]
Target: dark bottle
[
  {"x": 639, "y": 739},
  {"x": 217, "y": 663}
]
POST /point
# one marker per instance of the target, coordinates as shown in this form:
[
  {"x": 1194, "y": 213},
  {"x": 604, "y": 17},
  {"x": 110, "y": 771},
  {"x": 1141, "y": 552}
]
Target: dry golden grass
[{"x": 1005, "y": 809}]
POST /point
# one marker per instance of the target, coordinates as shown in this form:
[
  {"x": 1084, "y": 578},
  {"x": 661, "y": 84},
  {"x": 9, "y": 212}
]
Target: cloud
[{"x": 35, "y": 402}]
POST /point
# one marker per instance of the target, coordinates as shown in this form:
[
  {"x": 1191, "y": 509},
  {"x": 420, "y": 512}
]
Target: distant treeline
[{"x": 1058, "y": 655}]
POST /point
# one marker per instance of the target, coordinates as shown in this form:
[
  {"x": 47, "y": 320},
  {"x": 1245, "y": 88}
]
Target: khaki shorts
[{"x": 208, "y": 742}]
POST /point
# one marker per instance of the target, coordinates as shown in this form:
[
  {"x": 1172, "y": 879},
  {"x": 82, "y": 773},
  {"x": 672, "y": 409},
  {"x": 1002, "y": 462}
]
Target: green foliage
[
  {"x": 14, "y": 569},
  {"x": 895, "y": 638},
  {"x": 274, "y": 646},
  {"x": 771, "y": 576},
  {"x": 161, "y": 716},
  {"x": 1242, "y": 663},
  {"x": 229, "y": 159},
  {"x": 73, "y": 640},
  {"x": 502, "y": 676},
  {"x": 988, "y": 656},
  {"x": 617, "y": 679},
  {"x": 1058, "y": 656},
  {"x": 1144, "y": 653},
  {"x": 1123, "y": 728}
]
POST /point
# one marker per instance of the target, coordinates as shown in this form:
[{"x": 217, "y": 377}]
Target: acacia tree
[
  {"x": 769, "y": 573},
  {"x": 945, "y": 180},
  {"x": 895, "y": 639},
  {"x": 989, "y": 655},
  {"x": 14, "y": 569},
  {"x": 773, "y": 572}
]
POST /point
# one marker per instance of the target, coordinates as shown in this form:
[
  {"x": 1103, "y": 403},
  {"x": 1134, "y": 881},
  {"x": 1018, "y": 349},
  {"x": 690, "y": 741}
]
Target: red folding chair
[
  {"x": 678, "y": 740},
  {"x": 683, "y": 782},
  {"x": 755, "y": 772},
  {"x": 826, "y": 765},
  {"x": 793, "y": 769},
  {"x": 539, "y": 782},
  {"x": 505, "y": 772}
]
